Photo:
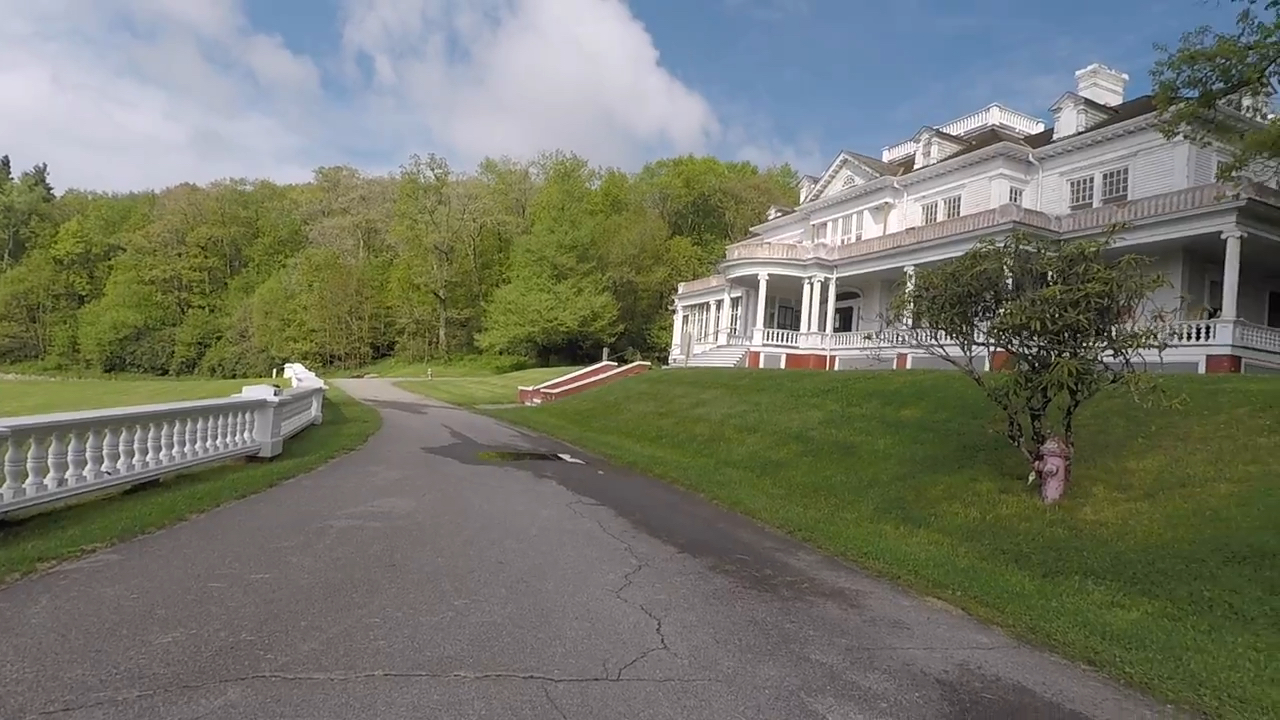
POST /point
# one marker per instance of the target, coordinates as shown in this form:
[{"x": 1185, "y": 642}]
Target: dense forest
[{"x": 550, "y": 259}]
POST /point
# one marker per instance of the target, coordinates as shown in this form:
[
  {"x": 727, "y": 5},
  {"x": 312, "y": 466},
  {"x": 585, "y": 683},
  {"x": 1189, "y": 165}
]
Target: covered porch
[{"x": 1221, "y": 310}]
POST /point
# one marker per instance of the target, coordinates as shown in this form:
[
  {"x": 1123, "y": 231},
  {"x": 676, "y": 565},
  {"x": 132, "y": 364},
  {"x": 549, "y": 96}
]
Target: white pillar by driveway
[
  {"x": 806, "y": 299},
  {"x": 815, "y": 306},
  {"x": 757, "y": 334},
  {"x": 1231, "y": 275}
]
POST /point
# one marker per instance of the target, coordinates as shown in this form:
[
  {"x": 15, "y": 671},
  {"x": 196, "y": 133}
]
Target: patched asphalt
[{"x": 428, "y": 575}]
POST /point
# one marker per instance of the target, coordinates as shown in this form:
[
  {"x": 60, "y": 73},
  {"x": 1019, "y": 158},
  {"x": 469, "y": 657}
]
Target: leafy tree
[
  {"x": 1069, "y": 321},
  {"x": 1217, "y": 87}
]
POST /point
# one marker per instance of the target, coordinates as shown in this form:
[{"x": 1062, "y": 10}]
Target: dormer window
[{"x": 926, "y": 153}]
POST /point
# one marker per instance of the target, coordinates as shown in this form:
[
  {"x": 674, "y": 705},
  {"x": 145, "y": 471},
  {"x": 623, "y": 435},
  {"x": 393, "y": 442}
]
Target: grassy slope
[
  {"x": 36, "y": 541},
  {"x": 32, "y": 397},
  {"x": 1160, "y": 568},
  {"x": 483, "y": 390}
]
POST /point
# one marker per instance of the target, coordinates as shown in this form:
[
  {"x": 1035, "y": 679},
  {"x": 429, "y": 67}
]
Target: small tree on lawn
[{"x": 1068, "y": 320}]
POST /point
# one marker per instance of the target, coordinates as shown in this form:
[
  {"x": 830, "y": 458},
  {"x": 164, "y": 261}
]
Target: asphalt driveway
[{"x": 431, "y": 575}]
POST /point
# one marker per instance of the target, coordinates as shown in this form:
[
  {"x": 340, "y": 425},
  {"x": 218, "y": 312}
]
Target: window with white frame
[
  {"x": 857, "y": 228},
  {"x": 735, "y": 314},
  {"x": 929, "y": 213},
  {"x": 1115, "y": 185},
  {"x": 1015, "y": 195},
  {"x": 844, "y": 223},
  {"x": 951, "y": 207},
  {"x": 820, "y": 232},
  {"x": 1080, "y": 193}
]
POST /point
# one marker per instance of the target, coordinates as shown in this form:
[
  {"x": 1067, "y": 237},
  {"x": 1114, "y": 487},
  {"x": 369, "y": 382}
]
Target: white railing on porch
[
  {"x": 50, "y": 458},
  {"x": 1238, "y": 333},
  {"x": 784, "y": 338}
]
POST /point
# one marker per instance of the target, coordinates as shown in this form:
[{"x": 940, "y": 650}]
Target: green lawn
[
  {"x": 30, "y": 543},
  {"x": 1161, "y": 567},
  {"x": 484, "y": 389},
  {"x": 34, "y": 397}
]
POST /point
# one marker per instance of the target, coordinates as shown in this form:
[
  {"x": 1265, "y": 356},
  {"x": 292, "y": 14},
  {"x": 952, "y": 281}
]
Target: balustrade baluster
[
  {"x": 76, "y": 460},
  {"x": 154, "y": 444},
  {"x": 202, "y": 435},
  {"x": 93, "y": 455},
  {"x": 15, "y": 466},
  {"x": 192, "y": 434},
  {"x": 37, "y": 467},
  {"x": 111, "y": 451},
  {"x": 166, "y": 442},
  {"x": 141, "y": 433},
  {"x": 222, "y": 432},
  {"x": 56, "y": 460},
  {"x": 125, "y": 464}
]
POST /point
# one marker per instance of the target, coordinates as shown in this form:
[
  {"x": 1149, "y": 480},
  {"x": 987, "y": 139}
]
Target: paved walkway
[{"x": 418, "y": 579}]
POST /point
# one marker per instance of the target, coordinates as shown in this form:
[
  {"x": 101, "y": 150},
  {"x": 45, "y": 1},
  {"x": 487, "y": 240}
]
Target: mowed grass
[
  {"x": 30, "y": 543},
  {"x": 483, "y": 389},
  {"x": 36, "y": 397},
  {"x": 1161, "y": 567}
]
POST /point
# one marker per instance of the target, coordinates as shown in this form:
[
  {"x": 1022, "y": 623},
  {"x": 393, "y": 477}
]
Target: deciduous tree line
[{"x": 548, "y": 259}]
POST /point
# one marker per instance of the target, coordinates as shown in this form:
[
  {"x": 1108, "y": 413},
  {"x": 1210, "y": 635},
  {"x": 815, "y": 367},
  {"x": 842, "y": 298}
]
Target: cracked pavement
[{"x": 415, "y": 579}]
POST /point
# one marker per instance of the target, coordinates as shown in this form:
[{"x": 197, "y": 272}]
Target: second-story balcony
[{"x": 1202, "y": 197}]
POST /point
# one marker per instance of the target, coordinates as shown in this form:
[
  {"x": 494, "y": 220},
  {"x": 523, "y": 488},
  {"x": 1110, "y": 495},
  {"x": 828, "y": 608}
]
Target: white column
[
  {"x": 815, "y": 306},
  {"x": 910, "y": 272},
  {"x": 1231, "y": 275},
  {"x": 757, "y": 334},
  {"x": 675, "y": 327},
  {"x": 724, "y": 331},
  {"x": 831, "y": 306},
  {"x": 805, "y": 300}
]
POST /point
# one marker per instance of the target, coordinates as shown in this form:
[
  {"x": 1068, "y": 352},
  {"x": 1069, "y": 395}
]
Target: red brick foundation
[
  {"x": 900, "y": 362},
  {"x": 1219, "y": 364},
  {"x": 797, "y": 361},
  {"x": 753, "y": 359},
  {"x": 999, "y": 360}
]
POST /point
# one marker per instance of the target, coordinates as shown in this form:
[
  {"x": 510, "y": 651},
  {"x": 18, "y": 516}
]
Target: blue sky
[{"x": 276, "y": 87}]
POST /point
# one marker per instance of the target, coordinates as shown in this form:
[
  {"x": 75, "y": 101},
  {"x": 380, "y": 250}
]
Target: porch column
[
  {"x": 831, "y": 305},
  {"x": 910, "y": 272},
  {"x": 805, "y": 300},
  {"x": 725, "y": 331},
  {"x": 1231, "y": 275},
  {"x": 815, "y": 309},
  {"x": 675, "y": 326},
  {"x": 757, "y": 333}
]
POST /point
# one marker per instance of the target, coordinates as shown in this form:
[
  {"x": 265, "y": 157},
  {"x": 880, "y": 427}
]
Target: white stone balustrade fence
[{"x": 50, "y": 458}]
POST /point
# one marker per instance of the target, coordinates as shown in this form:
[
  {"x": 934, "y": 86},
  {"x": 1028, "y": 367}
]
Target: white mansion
[{"x": 809, "y": 287}]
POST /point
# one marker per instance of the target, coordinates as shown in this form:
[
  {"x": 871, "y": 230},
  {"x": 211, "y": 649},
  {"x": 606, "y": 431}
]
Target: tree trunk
[{"x": 1052, "y": 468}]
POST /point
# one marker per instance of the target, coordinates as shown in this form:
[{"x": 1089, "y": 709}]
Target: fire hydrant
[{"x": 1054, "y": 470}]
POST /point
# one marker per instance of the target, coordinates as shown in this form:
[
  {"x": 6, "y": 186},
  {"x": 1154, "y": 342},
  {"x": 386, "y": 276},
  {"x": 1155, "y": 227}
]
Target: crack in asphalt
[
  {"x": 627, "y": 581},
  {"x": 547, "y": 680},
  {"x": 546, "y": 690}
]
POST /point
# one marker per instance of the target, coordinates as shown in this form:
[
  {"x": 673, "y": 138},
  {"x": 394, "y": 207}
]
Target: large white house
[{"x": 810, "y": 286}]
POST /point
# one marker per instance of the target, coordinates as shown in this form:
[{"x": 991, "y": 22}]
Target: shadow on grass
[{"x": 37, "y": 541}]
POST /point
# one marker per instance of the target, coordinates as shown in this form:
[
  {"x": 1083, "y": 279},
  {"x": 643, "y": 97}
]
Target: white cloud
[{"x": 120, "y": 94}]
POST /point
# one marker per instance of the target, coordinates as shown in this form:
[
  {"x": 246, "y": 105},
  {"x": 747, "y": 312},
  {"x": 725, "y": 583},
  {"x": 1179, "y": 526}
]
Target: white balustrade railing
[
  {"x": 50, "y": 458},
  {"x": 787, "y": 338},
  {"x": 1257, "y": 337}
]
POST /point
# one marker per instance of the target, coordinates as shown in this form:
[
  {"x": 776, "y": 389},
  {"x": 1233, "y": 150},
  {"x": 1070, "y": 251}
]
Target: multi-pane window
[
  {"x": 820, "y": 232},
  {"x": 1015, "y": 195},
  {"x": 857, "y": 230},
  {"x": 951, "y": 207},
  {"x": 735, "y": 314},
  {"x": 1080, "y": 193},
  {"x": 845, "y": 224},
  {"x": 1115, "y": 185},
  {"x": 929, "y": 213}
]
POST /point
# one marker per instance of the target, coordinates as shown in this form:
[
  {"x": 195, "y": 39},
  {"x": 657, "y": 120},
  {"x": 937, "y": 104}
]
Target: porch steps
[{"x": 722, "y": 356}]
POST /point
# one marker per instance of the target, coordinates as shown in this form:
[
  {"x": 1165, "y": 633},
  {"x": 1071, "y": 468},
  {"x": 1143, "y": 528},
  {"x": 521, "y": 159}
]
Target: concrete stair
[{"x": 723, "y": 356}]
